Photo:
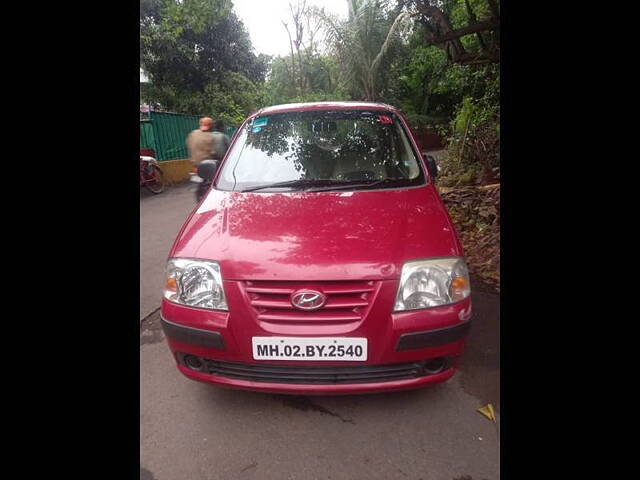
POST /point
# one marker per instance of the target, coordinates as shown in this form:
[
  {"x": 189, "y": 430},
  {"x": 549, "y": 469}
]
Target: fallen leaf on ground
[{"x": 488, "y": 412}]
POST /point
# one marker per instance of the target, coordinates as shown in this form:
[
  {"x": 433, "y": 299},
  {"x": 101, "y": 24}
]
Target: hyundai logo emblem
[{"x": 308, "y": 299}]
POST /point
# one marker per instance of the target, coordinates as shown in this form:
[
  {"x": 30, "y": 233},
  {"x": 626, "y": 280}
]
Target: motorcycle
[{"x": 206, "y": 171}]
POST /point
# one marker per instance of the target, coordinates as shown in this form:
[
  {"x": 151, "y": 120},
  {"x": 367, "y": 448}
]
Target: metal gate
[{"x": 167, "y": 134}]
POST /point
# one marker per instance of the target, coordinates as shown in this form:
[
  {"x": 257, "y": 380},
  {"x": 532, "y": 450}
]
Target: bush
[{"x": 474, "y": 142}]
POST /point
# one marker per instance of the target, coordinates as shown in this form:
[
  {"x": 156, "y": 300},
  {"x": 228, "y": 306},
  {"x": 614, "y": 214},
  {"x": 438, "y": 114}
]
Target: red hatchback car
[{"x": 321, "y": 261}]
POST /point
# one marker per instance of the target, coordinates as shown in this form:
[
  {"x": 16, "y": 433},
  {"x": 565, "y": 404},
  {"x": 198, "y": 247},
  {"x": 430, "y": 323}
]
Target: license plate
[{"x": 315, "y": 348}]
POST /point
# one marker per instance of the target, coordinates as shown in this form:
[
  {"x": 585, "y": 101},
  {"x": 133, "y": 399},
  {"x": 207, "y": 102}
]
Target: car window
[{"x": 349, "y": 146}]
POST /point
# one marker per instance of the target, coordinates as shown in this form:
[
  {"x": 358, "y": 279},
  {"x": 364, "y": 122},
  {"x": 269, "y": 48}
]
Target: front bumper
[
  {"x": 328, "y": 389},
  {"x": 414, "y": 337}
]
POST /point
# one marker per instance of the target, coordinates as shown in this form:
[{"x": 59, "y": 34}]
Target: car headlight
[
  {"x": 196, "y": 283},
  {"x": 431, "y": 283}
]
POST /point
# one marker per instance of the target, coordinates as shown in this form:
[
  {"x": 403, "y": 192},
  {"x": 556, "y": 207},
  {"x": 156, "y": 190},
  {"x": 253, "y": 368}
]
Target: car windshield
[{"x": 322, "y": 151}]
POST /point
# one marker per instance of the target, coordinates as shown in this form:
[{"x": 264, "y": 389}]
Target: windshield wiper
[
  {"x": 300, "y": 182},
  {"x": 358, "y": 184}
]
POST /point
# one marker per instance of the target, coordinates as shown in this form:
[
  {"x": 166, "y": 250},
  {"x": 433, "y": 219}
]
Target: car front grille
[
  {"x": 313, "y": 374},
  {"x": 346, "y": 301}
]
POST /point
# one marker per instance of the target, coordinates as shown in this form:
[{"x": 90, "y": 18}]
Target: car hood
[{"x": 362, "y": 235}]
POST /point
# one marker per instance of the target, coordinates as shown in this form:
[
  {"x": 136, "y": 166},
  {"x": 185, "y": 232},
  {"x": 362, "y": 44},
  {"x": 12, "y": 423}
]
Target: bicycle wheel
[{"x": 155, "y": 183}]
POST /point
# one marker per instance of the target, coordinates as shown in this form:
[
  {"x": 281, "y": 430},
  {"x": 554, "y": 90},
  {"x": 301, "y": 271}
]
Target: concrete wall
[{"x": 176, "y": 171}]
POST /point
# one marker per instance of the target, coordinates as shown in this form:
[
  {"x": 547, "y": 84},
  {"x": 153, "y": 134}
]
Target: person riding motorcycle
[
  {"x": 200, "y": 142},
  {"x": 207, "y": 148}
]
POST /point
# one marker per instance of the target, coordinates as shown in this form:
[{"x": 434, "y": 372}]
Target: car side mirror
[
  {"x": 207, "y": 169},
  {"x": 431, "y": 165}
]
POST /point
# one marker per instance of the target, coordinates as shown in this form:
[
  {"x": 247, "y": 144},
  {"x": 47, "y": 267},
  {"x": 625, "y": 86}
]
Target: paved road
[
  {"x": 194, "y": 431},
  {"x": 161, "y": 217}
]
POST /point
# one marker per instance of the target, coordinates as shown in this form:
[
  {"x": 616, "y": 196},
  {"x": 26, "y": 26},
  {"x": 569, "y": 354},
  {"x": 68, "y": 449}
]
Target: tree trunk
[
  {"x": 464, "y": 140},
  {"x": 293, "y": 64},
  {"x": 439, "y": 32}
]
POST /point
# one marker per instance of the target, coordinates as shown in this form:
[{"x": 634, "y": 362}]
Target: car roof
[{"x": 299, "y": 107}]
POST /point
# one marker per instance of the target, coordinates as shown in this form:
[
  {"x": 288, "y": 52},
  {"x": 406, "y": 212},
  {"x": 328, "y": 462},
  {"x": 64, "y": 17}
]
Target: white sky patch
[{"x": 263, "y": 20}]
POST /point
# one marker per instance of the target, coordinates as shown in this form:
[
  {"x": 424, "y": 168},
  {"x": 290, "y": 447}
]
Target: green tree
[
  {"x": 198, "y": 56},
  {"x": 322, "y": 81},
  {"x": 362, "y": 43},
  {"x": 305, "y": 74},
  {"x": 467, "y": 30}
]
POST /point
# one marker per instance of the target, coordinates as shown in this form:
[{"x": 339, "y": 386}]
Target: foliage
[
  {"x": 230, "y": 99},
  {"x": 467, "y": 31},
  {"x": 420, "y": 83},
  {"x": 365, "y": 43},
  {"x": 197, "y": 55},
  {"x": 429, "y": 88},
  {"x": 474, "y": 141},
  {"x": 306, "y": 74},
  {"x": 322, "y": 82},
  {"x": 200, "y": 61}
]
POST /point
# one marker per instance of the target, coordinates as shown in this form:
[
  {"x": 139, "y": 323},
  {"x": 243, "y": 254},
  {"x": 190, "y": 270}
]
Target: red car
[{"x": 321, "y": 261}]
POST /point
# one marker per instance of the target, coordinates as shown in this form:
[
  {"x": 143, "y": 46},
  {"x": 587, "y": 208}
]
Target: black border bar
[
  {"x": 432, "y": 338},
  {"x": 192, "y": 336}
]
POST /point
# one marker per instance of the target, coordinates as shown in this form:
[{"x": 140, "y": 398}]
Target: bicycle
[{"x": 151, "y": 175}]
